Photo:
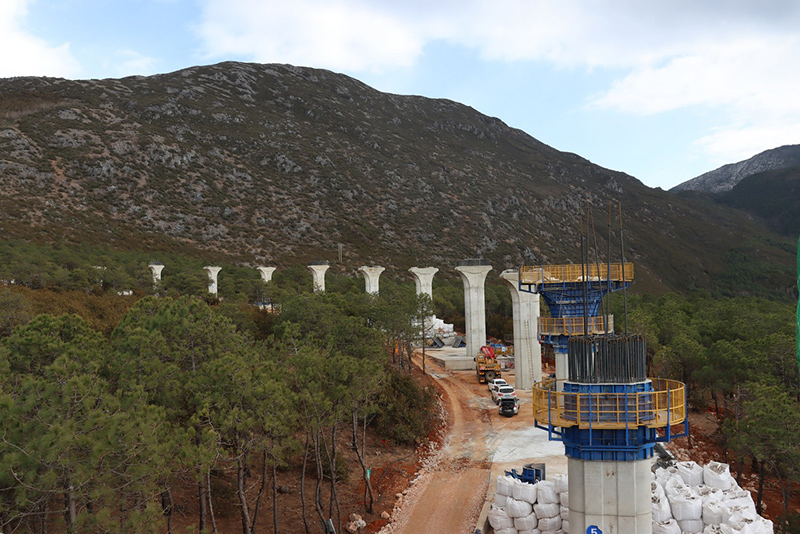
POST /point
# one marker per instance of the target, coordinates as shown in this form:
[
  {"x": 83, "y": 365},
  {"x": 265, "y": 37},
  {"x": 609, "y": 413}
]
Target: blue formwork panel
[{"x": 609, "y": 445}]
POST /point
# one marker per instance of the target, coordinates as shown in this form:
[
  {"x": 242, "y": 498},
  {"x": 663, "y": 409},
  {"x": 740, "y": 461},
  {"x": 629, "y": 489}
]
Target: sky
[{"x": 663, "y": 90}]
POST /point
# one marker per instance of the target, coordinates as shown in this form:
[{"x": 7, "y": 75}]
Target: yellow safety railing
[
  {"x": 552, "y": 274},
  {"x": 665, "y": 405},
  {"x": 573, "y": 326}
]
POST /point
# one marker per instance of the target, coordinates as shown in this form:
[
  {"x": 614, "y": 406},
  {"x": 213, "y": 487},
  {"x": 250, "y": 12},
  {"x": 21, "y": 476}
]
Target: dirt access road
[{"x": 453, "y": 485}]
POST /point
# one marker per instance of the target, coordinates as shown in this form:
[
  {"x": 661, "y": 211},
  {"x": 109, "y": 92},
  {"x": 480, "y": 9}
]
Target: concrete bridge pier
[
  {"x": 155, "y": 269},
  {"x": 213, "y": 273},
  {"x": 371, "y": 278},
  {"x": 423, "y": 278},
  {"x": 318, "y": 269},
  {"x": 473, "y": 274},
  {"x": 266, "y": 273},
  {"x": 527, "y": 350}
]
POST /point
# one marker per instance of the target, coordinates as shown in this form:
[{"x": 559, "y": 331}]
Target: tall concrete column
[
  {"x": 155, "y": 269},
  {"x": 527, "y": 350},
  {"x": 612, "y": 496},
  {"x": 318, "y": 269},
  {"x": 423, "y": 277},
  {"x": 266, "y": 273},
  {"x": 371, "y": 278},
  {"x": 473, "y": 274},
  {"x": 213, "y": 273}
]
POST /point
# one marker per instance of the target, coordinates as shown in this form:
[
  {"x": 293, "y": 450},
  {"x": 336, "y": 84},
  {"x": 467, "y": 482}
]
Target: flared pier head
[
  {"x": 527, "y": 350},
  {"x": 473, "y": 273},
  {"x": 266, "y": 273},
  {"x": 213, "y": 274},
  {"x": 155, "y": 269},
  {"x": 423, "y": 278},
  {"x": 318, "y": 269},
  {"x": 371, "y": 278}
]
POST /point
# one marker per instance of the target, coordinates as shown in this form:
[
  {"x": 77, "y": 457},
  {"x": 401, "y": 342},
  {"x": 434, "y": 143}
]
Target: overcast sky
[{"x": 662, "y": 90}]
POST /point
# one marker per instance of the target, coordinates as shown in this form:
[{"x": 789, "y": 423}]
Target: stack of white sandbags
[
  {"x": 521, "y": 508},
  {"x": 688, "y": 498}
]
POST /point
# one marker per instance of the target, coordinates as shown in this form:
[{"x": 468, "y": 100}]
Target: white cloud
[
  {"x": 25, "y": 54},
  {"x": 132, "y": 62},
  {"x": 337, "y": 35},
  {"x": 740, "y": 59},
  {"x": 740, "y": 142}
]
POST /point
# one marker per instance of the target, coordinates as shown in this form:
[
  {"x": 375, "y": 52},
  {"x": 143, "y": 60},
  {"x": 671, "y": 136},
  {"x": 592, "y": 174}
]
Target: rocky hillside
[
  {"x": 773, "y": 196},
  {"x": 274, "y": 164},
  {"x": 727, "y": 176}
]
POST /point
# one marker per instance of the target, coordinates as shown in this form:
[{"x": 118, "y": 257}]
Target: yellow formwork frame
[
  {"x": 664, "y": 406},
  {"x": 553, "y": 274}
]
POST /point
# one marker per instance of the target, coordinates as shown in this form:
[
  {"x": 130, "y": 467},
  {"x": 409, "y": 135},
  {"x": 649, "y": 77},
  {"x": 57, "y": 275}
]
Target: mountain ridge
[
  {"x": 271, "y": 164},
  {"x": 726, "y": 177}
]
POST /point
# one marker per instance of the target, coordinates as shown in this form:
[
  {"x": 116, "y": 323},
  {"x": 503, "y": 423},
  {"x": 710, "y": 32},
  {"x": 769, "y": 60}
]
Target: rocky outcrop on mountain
[
  {"x": 727, "y": 176},
  {"x": 272, "y": 164}
]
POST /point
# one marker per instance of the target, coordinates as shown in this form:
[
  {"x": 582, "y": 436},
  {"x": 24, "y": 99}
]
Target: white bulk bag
[
  {"x": 549, "y": 524},
  {"x": 505, "y": 485},
  {"x": 561, "y": 482},
  {"x": 515, "y": 508},
  {"x": 546, "y": 509},
  {"x": 718, "y": 475},
  {"x": 739, "y": 499},
  {"x": 759, "y": 526},
  {"x": 511, "y": 530},
  {"x": 564, "y": 512},
  {"x": 563, "y": 498},
  {"x": 707, "y": 493},
  {"x": 501, "y": 500},
  {"x": 498, "y": 518},
  {"x": 546, "y": 492},
  {"x": 691, "y": 525},
  {"x": 662, "y": 511},
  {"x": 565, "y": 526},
  {"x": 685, "y": 505},
  {"x": 666, "y": 527},
  {"x": 529, "y": 522},
  {"x": 690, "y": 472},
  {"x": 525, "y": 492},
  {"x": 715, "y": 513}
]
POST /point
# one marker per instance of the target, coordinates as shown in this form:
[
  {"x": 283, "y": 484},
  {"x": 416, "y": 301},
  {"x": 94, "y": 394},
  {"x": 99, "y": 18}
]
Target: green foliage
[{"x": 407, "y": 411}]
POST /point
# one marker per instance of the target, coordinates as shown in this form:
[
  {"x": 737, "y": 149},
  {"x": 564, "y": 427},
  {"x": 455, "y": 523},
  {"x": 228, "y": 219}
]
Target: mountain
[
  {"x": 773, "y": 195},
  {"x": 727, "y": 176},
  {"x": 278, "y": 165}
]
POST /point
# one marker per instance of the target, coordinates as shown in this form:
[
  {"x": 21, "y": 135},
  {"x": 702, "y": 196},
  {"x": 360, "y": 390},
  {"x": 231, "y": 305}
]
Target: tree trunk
[
  {"x": 260, "y": 491},
  {"x": 210, "y": 502},
  {"x": 303, "y": 484},
  {"x": 364, "y": 470},
  {"x": 70, "y": 507},
  {"x": 275, "y": 497},
  {"x": 201, "y": 489},
  {"x": 320, "y": 476},
  {"x": 760, "y": 494},
  {"x": 241, "y": 492}
]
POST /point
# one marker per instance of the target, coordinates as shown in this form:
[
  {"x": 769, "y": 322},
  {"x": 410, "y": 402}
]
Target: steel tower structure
[{"x": 605, "y": 410}]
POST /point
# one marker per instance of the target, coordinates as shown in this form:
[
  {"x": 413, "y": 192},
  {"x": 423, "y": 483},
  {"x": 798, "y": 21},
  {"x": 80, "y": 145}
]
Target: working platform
[
  {"x": 571, "y": 272},
  {"x": 601, "y": 407}
]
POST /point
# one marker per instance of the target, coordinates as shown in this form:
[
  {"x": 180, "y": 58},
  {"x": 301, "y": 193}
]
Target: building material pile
[
  {"x": 687, "y": 498},
  {"x": 522, "y": 508}
]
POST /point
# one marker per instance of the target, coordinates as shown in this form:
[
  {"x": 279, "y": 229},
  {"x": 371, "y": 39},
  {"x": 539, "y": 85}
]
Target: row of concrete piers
[{"x": 525, "y": 305}]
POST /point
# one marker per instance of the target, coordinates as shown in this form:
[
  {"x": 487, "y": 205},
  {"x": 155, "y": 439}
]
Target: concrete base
[
  {"x": 451, "y": 359},
  {"x": 613, "y": 496}
]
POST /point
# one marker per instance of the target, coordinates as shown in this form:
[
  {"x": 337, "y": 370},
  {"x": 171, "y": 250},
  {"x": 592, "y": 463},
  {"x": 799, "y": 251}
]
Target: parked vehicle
[
  {"x": 508, "y": 406},
  {"x": 496, "y": 383},
  {"x": 486, "y": 365},
  {"x": 503, "y": 392}
]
